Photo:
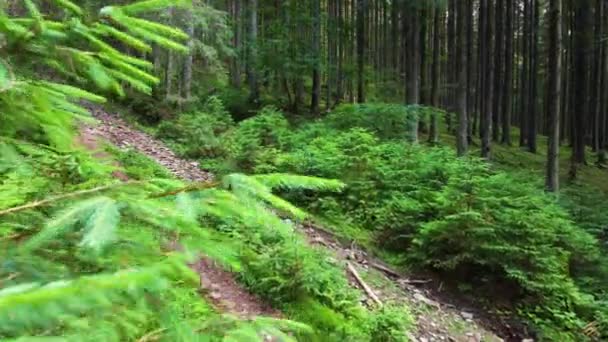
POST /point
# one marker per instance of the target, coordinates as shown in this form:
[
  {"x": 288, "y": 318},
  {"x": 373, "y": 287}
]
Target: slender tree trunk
[
  {"x": 554, "y": 97},
  {"x": 252, "y": 77},
  {"x": 435, "y": 76},
  {"x": 316, "y": 51},
  {"x": 533, "y": 103},
  {"x": 471, "y": 64},
  {"x": 461, "y": 140},
  {"x": 236, "y": 61},
  {"x": 187, "y": 75},
  {"x": 487, "y": 123},
  {"x": 507, "y": 99},
  {"x": 582, "y": 44},
  {"x": 361, "y": 44},
  {"x": 525, "y": 74},
  {"x": 169, "y": 67},
  {"x": 499, "y": 81}
]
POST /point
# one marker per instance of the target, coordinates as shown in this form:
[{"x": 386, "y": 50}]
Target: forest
[{"x": 304, "y": 170}]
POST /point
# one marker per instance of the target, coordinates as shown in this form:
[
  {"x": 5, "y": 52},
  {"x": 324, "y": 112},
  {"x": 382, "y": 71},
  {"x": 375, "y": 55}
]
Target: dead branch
[
  {"x": 384, "y": 269},
  {"x": 366, "y": 288}
]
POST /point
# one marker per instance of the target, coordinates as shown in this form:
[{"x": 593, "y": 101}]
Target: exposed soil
[
  {"x": 218, "y": 285},
  {"x": 225, "y": 293},
  {"x": 437, "y": 319}
]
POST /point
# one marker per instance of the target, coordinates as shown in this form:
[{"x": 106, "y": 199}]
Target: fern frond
[{"x": 290, "y": 182}]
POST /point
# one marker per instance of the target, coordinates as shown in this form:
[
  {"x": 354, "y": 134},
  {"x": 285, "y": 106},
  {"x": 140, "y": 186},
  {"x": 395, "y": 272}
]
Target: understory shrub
[
  {"x": 456, "y": 216},
  {"x": 196, "y": 134}
]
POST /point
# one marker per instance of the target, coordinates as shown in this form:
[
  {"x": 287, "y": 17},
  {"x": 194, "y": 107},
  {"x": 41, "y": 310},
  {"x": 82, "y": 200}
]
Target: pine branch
[{"x": 61, "y": 197}]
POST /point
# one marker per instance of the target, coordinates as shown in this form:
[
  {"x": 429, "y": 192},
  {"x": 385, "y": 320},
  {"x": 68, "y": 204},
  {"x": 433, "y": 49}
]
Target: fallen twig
[
  {"x": 363, "y": 284},
  {"x": 384, "y": 269}
]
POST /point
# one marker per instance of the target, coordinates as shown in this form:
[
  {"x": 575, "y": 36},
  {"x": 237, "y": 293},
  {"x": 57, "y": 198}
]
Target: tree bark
[
  {"x": 435, "y": 76},
  {"x": 461, "y": 140},
  {"x": 533, "y": 103},
  {"x": 580, "y": 109},
  {"x": 487, "y": 123},
  {"x": 252, "y": 77},
  {"x": 507, "y": 99},
  {"x": 361, "y": 43},
  {"x": 316, "y": 50},
  {"x": 554, "y": 96},
  {"x": 187, "y": 71}
]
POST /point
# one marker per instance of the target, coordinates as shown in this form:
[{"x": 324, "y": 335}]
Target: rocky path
[
  {"x": 218, "y": 285},
  {"x": 436, "y": 321}
]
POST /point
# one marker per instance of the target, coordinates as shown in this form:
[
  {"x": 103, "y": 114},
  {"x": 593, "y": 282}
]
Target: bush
[
  {"x": 390, "y": 324},
  {"x": 456, "y": 216},
  {"x": 388, "y": 121},
  {"x": 256, "y": 142},
  {"x": 196, "y": 134}
]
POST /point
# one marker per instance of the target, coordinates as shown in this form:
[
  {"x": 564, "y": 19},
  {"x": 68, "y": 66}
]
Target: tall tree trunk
[
  {"x": 471, "y": 112},
  {"x": 580, "y": 113},
  {"x": 533, "y": 103},
  {"x": 187, "y": 75},
  {"x": 413, "y": 84},
  {"x": 361, "y": 43},
  {"x": 252, "y": 77},
  {"x": 236, "y": 43},
  {"x": 435, "y": 76},
  {"x": 452, "y": 56},
  {"x": 507, "y": 99},
  {"x": 597, "y": 78},
  {"x": 316, "y": 51},
  {"x": 487, "y": 123},
  {"x": 499, "y": 81},
  {"x": 525, "y": 75},
  {"x": 461, "y": 140},
  {"x": 554, "y": 96},
  {"x": 169, "y": 67},
  {"x": 413, "y": 91}
]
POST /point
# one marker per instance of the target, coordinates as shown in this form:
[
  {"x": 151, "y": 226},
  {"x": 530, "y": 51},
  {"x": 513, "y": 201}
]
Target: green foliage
[
  {"x": 256, "y": 142},
  {"x": 387, "y": 121},
  {"x": 456, "y": 216},
  {"x": 195, "y": 135},
  {"x": 76, "y": 50},
  {"x": 390, "y": 324}
]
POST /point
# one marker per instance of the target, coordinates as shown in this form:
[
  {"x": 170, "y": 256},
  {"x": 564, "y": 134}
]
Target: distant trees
[{"x": 491, "y": 62}]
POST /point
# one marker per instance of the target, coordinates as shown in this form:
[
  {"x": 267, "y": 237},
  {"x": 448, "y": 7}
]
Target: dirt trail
[
  {"x": 436, "y": 321},
  {"x": 218, "y": 285}
]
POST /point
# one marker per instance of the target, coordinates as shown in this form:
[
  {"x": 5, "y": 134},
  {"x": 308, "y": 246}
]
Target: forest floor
[{"x": 438, "y": 318}]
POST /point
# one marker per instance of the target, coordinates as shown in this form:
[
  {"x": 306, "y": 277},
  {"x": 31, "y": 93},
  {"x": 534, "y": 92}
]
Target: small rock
[
  {"x": 466, "y": 315},
  {"x": 527, "y": 340}
]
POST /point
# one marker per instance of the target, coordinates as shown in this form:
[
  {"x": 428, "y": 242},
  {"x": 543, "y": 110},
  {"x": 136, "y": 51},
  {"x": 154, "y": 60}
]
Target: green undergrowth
[
  {"x": 487, "y": 228},
  {"x": 120, "y": 241}
]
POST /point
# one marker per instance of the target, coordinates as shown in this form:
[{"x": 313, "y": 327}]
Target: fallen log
[{"x": 370, "y": 293}]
